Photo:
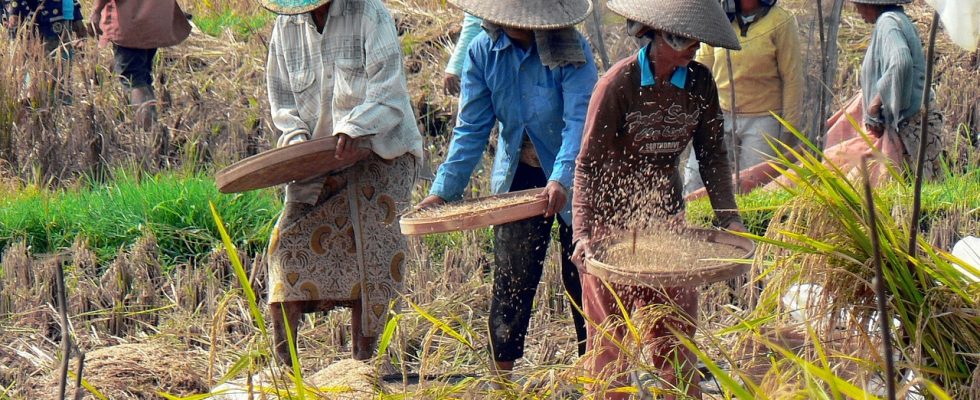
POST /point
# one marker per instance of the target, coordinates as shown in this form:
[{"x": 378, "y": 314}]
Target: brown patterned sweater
[{"x": 627, "y": 172}]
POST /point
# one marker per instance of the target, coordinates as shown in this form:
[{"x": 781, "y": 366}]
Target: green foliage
[
  {"x": 171, "y": 207},
  {"x": 758, "y": 207},
  {"x": 215, "y": 22}
]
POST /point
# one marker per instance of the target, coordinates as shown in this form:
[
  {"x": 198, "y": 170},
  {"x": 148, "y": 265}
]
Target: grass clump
[
  {"x": 171, "y": 207},
  {"x": 938, "y": 198}
]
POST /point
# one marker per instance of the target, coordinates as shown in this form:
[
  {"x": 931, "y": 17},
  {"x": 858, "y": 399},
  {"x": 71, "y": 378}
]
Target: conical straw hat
[
  {"x": 528, "y": 14},
  {"x": 703, "y": 20},
  {"x": 290, "y": 7}
]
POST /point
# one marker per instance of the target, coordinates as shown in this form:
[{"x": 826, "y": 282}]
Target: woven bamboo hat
[
  {"x": 881, "y": 2},
  {"x": 703, "y": 20},
  {"x": 290, "y": 7},
  {"x": 528, "y": 14}
]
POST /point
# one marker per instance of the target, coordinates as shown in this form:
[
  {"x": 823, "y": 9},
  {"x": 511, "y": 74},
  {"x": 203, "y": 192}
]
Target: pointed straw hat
[
  {"x": 528, "y": 14},
  {"x": 881, "y": 2},
  {"x": 703, "y": 20},
  {"x": 290, "y": 7}
]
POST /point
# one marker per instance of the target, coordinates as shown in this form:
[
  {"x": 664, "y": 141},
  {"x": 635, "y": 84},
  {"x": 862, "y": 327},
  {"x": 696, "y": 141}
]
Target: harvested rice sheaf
[{"x": 141, "y": 370}]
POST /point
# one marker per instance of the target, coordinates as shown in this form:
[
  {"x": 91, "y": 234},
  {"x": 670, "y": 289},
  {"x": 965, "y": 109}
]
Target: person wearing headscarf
[
  {"x": 768, "y": 77},
  {"x": 893, "y": 82},
  {"x": 644, "y": 112},
  {"x": 534, "y": 73},
  {"x": 335, "y": 69}
]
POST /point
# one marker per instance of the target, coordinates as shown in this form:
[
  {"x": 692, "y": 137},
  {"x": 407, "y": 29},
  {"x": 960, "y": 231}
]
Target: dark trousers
[{"x": 520, "y": 249}]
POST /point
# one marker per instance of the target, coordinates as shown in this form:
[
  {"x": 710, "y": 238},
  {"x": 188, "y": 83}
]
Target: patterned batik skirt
[
  {"x": 347, "y": 247},
  {"x": 910, "y": 130}
]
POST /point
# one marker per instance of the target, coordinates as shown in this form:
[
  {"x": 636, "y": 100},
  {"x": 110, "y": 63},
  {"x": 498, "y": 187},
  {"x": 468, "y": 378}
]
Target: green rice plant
[
  {"x": 172, "y": 207},
  {"x": 820, "y": 236}
]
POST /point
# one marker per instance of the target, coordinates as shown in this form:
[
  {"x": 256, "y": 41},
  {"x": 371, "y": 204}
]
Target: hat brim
[
  {"x": 528, "y": 14},
  {"x": 292, "y": 7},
  {"x": 703, "y": 20}
]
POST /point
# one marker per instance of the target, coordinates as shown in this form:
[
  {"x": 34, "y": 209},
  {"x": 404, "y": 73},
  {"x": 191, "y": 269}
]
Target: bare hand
[
  {"x": 430, "y": 201},
  {"x": 346, "y": 146},
  {"x": 874, "y": 109},
  {"x": 557, "y": 197},
  {"x": 875, "y": 130},
  {"x": 737, "y": 227},
  {"x": 583, "y": 250},
  {"x": 450, "y": 84}
]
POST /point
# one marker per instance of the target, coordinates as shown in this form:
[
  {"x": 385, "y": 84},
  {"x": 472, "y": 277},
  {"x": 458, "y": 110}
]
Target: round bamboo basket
[
  {"x": 412, "y": 224},
  {"x": 686, "y": 276},
  {"x": 286, "y": 164}
]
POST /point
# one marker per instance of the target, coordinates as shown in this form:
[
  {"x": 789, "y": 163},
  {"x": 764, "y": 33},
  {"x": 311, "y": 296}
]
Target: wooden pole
[
  {"x": 884, "y": 318},
  {"x": 821, "y": 111},
  {"x": 734, "y": 140},
  {"x": 79, "y": 391},
  {"x": 597, "y": 34},
  {"x": 924, "y": 133},
  {"x": 65, "y": 333}
]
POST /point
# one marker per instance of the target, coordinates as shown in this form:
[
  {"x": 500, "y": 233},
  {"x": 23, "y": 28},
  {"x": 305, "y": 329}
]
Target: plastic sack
[
  {"x": 968, "y": 251},
  {"x": 961, "y": 18}
]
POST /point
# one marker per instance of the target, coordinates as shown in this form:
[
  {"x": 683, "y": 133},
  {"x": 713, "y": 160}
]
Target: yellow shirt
[{"x": 768, "y": 70}]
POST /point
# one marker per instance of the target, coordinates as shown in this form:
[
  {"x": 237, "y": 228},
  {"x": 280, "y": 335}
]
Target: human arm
[
  {"x": 893, "y": 89},
  {"x": 282, "y": 102},
  {"x": 789, "y": 62},
  {"x": 602, "y": 123},
  {"x": 473, "y": 124},
  {"x": 454, "y": 68},
  {"x": 712, "y": 154},
  {"x": 378, "y": 112},
  {"x": 576, "y": 88}
]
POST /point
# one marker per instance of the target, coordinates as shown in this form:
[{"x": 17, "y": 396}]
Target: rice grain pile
[
  {"x": 459, "y": 209},
  {"x": 664, "y": 252}
]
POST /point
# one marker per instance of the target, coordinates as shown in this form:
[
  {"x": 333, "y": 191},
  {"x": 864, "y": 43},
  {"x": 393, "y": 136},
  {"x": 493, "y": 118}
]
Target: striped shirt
[{"x": 349, "y": 79}]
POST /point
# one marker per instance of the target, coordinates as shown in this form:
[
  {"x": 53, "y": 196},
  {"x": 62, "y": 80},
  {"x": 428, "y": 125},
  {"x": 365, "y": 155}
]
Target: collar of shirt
[
  {"x": 678, "y": 79},
  {"x": 336, "y": 7},
  {"x": 503, "y": 42}
]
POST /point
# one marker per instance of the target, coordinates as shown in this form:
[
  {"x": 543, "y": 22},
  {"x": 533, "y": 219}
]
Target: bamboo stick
[
  {"x": 65, "y": 333},
  {"x": 920, "y": 158},
  {"x": 884, "y": 317},
  {"x": 734, "y": 140}
]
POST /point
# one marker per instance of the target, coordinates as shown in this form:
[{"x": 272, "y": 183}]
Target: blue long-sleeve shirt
[{"x": 502, "y": 82}]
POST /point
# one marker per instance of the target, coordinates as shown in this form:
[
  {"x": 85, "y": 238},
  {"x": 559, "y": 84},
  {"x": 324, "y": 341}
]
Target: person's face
[
  {"x": 868, "y": 12},
  {"x": 675, "y": 50},
  {"x": 519, "y": 35}
]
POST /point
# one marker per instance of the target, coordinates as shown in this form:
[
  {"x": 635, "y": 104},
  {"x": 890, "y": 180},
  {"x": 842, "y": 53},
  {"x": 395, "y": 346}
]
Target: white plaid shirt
[{"x": 347, "y": 80}]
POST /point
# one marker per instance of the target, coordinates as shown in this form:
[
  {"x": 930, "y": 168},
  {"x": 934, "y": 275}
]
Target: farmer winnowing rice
[
  {"x": 893, "y": 81},
  {"x": 768, "y": 77},
  {"x": 533, "y": 72},
  {"x": 335, "y": 69},
  {"x": 643, "y": 113}
]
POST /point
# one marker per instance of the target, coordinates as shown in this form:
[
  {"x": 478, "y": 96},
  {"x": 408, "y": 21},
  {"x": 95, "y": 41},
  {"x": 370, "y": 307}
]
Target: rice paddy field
[{"x": 165, "y": 278}]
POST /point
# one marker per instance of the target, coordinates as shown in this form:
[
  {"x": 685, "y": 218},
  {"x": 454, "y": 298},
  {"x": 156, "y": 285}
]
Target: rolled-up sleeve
[
  {"x": 577, "y": 84},
  {"x": 475, "y": 120},
  {"x": 380, "y": 111},
  {"x": 285, "y": 114}
]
